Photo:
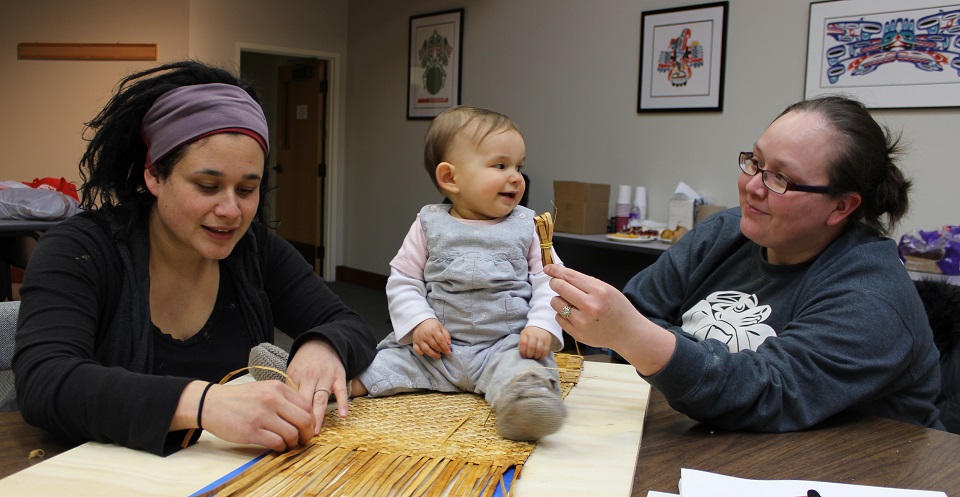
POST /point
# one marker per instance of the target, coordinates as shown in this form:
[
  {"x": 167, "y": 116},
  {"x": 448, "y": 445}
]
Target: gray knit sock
[
  {"x": 269, "y": 355},
  {"x": 529, "y": 408}
]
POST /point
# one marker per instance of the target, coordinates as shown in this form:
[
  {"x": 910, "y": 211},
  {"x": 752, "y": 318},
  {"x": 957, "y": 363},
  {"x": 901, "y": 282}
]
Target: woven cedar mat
[{"x": 418, "y": 444}]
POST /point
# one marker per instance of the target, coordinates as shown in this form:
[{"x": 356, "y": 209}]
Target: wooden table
[
  {"x": 654, "y": 247},
  {"x": 953, "y": 279},
  {"x": 18, "y": 439},
  {"x": 868, "y": 451},
  {"x": 611, "y": 261},
  {"x": 864, "y": 451},
  {"x": 594, "y": 450}
]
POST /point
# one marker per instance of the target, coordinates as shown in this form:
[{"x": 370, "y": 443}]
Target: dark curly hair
[{"x": 112, "y": 166}]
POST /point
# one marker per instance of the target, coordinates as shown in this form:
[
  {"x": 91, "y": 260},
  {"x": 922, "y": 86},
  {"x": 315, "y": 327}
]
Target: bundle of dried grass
[
  {"x": 544, "y": 224},
  {"x": 423, "y": 444}
]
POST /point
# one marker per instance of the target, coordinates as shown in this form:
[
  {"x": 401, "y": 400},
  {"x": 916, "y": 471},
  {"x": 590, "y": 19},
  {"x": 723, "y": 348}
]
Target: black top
[
  {"x": 86, "y": 353},
  {"x": 214, "y": 349}
]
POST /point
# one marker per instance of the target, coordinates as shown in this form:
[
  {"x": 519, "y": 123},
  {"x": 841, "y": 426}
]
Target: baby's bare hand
[
  {"x": 431, "y": 338},
  {"x": 534, "y": 343}
]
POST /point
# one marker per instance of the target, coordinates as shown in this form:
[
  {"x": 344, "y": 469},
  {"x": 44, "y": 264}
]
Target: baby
[{"x": 468, "y": 299}]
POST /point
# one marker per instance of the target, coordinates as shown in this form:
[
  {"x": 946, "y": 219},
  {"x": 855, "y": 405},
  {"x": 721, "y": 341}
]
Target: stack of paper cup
[
  {"x": 623, "y": 207},
  {"x": 640, "y": 201}
]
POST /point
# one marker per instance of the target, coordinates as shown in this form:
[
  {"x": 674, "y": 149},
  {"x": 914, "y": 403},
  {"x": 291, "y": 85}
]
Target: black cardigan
[{"x": 84, "y": 347}]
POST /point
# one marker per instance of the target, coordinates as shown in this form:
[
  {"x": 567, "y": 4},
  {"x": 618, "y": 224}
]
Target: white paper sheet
[{"x": 694, "y": 483}]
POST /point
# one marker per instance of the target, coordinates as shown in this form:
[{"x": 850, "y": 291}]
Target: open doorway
[{"x": 293, "y": 87}]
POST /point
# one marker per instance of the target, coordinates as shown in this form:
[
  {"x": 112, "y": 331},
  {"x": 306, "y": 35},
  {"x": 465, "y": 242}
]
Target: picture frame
[
  {"x": 434, "y": 63},
  {"x": 888, "y": 54},
  {"x": 683, "y": 58}
]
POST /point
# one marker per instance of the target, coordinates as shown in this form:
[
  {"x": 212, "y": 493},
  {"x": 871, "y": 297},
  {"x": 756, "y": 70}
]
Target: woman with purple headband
[{"x": 135, "y": 309}]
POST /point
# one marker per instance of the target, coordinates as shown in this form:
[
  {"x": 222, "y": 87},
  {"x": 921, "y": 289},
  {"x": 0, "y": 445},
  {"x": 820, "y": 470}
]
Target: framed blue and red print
[
  {"x": 436, "y": 47},
  {"x": 887, "y": 53},
  {"x": 682, "y": 58}
]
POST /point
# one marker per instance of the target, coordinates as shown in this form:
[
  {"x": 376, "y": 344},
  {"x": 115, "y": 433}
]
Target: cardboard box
[
  {"x": 576, "y": 191},
  {"x": 706, "y": 210},
  {"x": 581, "y": 218},
  {"x": 582, "y": 208}
]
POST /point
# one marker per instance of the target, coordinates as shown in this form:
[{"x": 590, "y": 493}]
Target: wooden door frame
[{"x": 335, "y": 144}]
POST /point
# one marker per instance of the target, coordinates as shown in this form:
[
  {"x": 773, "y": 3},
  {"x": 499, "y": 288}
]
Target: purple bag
[{"x": 932, "y": 251}]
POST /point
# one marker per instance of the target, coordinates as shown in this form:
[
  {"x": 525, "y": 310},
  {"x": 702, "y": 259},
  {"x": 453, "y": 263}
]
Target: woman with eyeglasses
[{"x": 791, "y": 309}]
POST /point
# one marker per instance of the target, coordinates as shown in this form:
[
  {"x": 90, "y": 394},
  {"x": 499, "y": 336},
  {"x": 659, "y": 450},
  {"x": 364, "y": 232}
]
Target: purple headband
[{"x": 189, "y": 113}]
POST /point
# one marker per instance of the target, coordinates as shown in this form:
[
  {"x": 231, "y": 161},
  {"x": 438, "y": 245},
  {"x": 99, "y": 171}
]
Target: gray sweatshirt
[{"x": 771, "y": 348}]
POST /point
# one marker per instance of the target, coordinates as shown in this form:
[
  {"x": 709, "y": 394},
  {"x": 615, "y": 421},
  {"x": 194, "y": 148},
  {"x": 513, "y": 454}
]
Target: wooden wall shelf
[{"x": 87, "y": 51}]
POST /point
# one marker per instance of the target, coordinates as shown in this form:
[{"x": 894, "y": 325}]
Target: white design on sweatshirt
[{"x": 734, "y": 318}]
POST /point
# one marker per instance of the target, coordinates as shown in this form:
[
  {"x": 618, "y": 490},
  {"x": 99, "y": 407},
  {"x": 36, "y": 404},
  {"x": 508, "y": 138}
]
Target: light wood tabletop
[
  {"x": 595, "y": 450},
  {"x": 857, "y": 450}
]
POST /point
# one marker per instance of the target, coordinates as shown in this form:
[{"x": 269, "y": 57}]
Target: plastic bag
[
  {"x": 44, "y": 203},
  {"x": 931, "y": 251}
]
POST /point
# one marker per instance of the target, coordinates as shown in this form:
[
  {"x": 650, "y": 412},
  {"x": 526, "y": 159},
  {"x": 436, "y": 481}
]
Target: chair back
[
  {"x": 9, "y": 311},
  {"x": 941, "y": 301}
]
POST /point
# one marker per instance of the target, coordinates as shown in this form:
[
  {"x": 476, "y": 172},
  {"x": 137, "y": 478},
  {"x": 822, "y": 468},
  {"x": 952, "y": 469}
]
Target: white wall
[
  {"x": 220, "y": 29},
  {"x": 217, "y": 26},
  {"x": 567, "y": 72},
  {"x": 43, "y": 103}
]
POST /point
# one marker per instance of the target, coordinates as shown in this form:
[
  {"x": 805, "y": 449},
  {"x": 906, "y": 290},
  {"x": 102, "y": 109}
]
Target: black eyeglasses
[{"x": 775, "y": 182}]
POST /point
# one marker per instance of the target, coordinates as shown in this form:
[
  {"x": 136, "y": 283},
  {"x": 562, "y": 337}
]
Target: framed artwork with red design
[{"x": 682, "y": 58}]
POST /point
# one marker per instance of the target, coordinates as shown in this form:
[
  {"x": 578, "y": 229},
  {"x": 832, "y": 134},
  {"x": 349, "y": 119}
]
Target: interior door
[{"x": 301, "y": 156}]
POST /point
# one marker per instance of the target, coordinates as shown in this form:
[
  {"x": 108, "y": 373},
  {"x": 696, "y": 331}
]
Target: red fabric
[{"x": 61, "y": 185}]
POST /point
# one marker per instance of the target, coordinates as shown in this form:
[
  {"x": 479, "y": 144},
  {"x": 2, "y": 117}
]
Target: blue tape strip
[
  {"x": 229, "y": 476},
  {"x": 507, "y": 479}
]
